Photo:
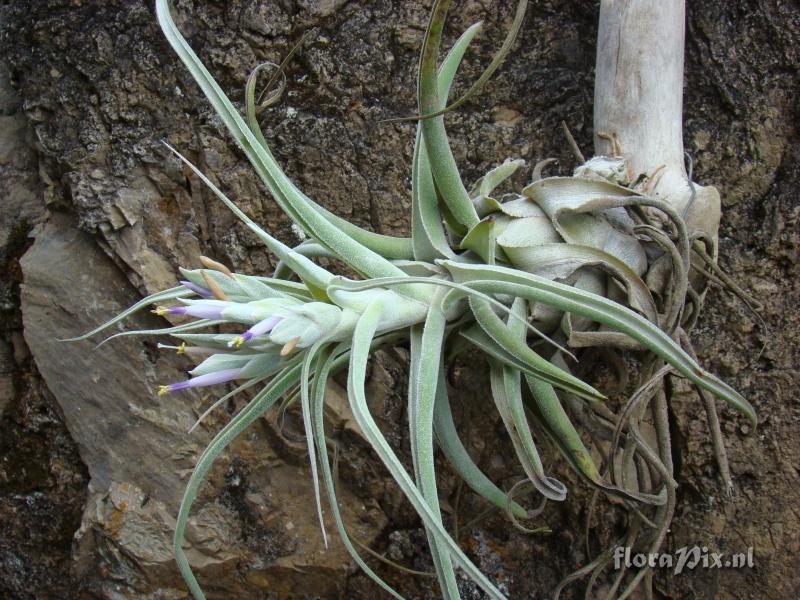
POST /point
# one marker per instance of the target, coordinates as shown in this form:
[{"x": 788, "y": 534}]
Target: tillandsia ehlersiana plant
[{"x": 526, "y": 279}]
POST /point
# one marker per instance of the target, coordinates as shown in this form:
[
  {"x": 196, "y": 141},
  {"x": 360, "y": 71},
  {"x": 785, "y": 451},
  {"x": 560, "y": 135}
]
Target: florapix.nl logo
[{"x": 684, "y": 558}]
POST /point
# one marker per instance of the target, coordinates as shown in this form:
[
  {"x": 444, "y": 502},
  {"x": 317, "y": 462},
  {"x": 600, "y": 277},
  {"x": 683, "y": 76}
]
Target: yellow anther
[
  {"x": 181, "y": 349},
  {"x": 237, "y": 341},
  {"x": 160, "y": 311},
  {"x": 163, "y": 390}
]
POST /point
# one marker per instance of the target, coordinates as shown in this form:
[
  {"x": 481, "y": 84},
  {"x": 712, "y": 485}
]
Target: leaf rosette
[{"x": 526, "y": 277}]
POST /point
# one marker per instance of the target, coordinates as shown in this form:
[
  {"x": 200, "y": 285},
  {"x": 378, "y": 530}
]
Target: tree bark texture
[{"x": 94, "y": 213}]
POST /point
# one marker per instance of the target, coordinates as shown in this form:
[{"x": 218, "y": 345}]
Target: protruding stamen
[
  {"x": 196, "y": 352},
  {"x": 199, "y": 352},
  {"x": 178, "y": 349},
  {"x": 212, "y": 264},
  {"x": 170, "y": 310},
  {"x": 290, "y": 345},
  {"x": 197, "y": 289},
  {"x": 216, "y": 291}
]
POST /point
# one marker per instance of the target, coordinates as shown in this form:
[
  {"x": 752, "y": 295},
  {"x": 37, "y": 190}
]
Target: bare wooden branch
[
  {"x": 639, "y": 86},
  {"x": 638, "y": 104}
]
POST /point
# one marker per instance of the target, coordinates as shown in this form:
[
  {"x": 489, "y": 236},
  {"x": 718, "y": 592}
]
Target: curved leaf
[
  {"x": 362, "y": 338},
  {"x": 428, "y": 235},
  {"x": 500, "y": 280},
  {"x": 589, "y": 213},
  {"x": 425, "y": 361},
  {"x": 559, "y": 261},
  {"x": 455, "y": 452},
  {"x": 555, "y": 421},
  {"x": 291, "y": 200},
  {"x": 483, "y": 188},
  {"x": 325, "y": 365},
  {"x": 499, "y": 332},
  {"x": 262, "y": 401},
  {"x": 170, "y": 294},
  {"x": 443, "y": 164}
]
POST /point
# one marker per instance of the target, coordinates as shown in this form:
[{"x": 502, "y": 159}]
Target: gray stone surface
[{"x": 139, "y": 455}]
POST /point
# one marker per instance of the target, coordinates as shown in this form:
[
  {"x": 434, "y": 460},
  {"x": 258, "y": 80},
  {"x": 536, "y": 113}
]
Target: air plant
[{"x": 526, "y": 279}]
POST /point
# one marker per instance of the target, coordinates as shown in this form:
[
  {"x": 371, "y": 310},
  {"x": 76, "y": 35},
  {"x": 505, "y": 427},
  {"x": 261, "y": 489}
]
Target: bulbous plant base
[{"x": 530, "y": 278}]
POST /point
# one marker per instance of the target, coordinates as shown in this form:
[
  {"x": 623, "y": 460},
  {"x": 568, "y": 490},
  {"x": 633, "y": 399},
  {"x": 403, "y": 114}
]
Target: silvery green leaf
[
  {"x": 418, "y": 268},
  {"x": 545, "y": 316},
  {"x": 443, "y": 165},
  {"x": 540, "y": 166},
  {"x": 521, "y": 208},
  {"x": 362, "y": 339},
  {"x": 294, "y": 289},
  {"x": 546, "y": 408},
  {"x": 498, "y": 175},
  {"x": 262, "y": 401},
  {"x": 428, "y": 235},
  {"x": 500, "y": 333},
  {"x": 220, "y": 362},
  {"x": 481, "y": 193},
  {"x": 526, "y": 231},
  {"x": 170, "y": 294},
  {"x": 326, "y": 316},
  {"x": 211, "y": 340},
  {"x": 509, "y": 281},
  {"x": 582, "y": 211},
  {"x": 191, "y": 326},
  {"x": 292, "y": 201},
  {"x": 482, "y": 238},
  {"x": 453, "y": 448},
  {"x": 507, "y": 390},
  {"x": 425, "y": 365},
  {"x": 325, "y": 366},
  {"x": 309, "y": 249},
  {"x": 592, "y": 281},
  {"x": 262, "y": 365},
  {"x": 290, "y": 328}
]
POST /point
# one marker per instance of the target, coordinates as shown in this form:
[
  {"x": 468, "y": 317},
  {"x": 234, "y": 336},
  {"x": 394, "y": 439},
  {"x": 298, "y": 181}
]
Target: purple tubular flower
[
  {"x": 201, "y": 381},
  {"x": 204, "y": 309},
  {"x": 197, "y": 289},
  {"x": 260, "y": 328}
]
